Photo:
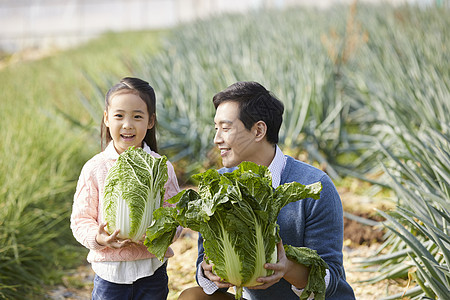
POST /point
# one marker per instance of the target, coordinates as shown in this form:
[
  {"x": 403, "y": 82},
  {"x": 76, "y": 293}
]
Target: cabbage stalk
[
  {"x": 236, "y": 214},
  {"x": 134, "y": 188}
]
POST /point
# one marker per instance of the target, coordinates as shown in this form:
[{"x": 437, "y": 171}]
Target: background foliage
[{"x": 366, "y": 91}]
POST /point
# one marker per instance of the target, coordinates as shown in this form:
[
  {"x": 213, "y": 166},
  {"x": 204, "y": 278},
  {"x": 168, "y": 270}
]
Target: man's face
[{"x": 235, "y": 142}]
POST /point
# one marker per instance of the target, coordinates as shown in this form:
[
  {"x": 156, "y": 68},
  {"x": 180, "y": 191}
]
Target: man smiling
[{"x": 247, "y": 121}]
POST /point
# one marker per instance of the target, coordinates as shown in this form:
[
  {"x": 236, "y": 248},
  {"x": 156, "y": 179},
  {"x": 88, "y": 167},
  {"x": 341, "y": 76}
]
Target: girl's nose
[{"x": 127, "y": 124}]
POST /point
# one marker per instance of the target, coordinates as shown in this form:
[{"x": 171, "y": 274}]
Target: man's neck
[{"x": 265, "y": 155}]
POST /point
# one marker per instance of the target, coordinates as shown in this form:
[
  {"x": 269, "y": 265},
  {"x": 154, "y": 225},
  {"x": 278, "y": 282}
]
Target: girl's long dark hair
[{"x": 146, "y": 93}]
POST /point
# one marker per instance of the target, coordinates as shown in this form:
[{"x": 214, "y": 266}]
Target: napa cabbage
[
  {"x": 236, "y": 214},
  {"x": 134, "y": 188}
]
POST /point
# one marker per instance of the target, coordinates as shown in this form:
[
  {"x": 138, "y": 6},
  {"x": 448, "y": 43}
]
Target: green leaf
[
  {"x": 317, "y": 267},
  {"x": 160, "y": 235},
  {"x": 236, "y": 215},
  {"x": 134, "y": 188}
]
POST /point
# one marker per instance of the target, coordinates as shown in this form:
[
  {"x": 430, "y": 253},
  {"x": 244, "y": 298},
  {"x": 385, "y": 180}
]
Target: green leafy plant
[
  {"x": 319, "y": 116},
  {"x": 402, "y": 80},
  {"x": 236, "y": 214},
  {"x": 419, "y": 227},
  {"x": 134, "y": 188}
]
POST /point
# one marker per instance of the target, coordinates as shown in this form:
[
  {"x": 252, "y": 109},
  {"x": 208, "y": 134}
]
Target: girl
[{"x": 123, "y": 269}]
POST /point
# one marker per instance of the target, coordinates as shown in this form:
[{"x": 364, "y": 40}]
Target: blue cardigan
[{"x": 316, "y": 224}]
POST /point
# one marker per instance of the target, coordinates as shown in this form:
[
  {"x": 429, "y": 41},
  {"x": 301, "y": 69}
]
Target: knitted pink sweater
[{"x": 87, "y": 207}]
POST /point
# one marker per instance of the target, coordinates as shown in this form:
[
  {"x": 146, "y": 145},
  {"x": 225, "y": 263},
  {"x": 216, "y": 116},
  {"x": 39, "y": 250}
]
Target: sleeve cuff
[
  {"x": 92, "y": 242},
  {"x": 299, "y": 292},
  {"x": 208, "y": 286}
]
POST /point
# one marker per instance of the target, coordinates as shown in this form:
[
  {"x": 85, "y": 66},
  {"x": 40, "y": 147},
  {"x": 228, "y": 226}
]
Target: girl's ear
[
  {"x": 260, "y": 129},
  {"x": 151, "y": 121},
  {"x": 105, "y": 118}
]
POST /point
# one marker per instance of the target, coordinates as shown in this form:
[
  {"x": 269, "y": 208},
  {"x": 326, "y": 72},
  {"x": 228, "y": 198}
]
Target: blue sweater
[{"x": 316, "y": 224}]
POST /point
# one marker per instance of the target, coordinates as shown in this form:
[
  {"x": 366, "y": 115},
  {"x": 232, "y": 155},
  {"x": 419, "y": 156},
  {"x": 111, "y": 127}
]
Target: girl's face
[{"x": 127, "y": 119}]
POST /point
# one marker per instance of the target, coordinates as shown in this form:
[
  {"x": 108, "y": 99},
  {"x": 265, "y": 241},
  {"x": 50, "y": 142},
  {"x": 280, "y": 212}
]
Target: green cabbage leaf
[
  {"x": 134, "y": 189},
  {"x": 236, "y": 214},
  {"x": 317, "y": 267}
]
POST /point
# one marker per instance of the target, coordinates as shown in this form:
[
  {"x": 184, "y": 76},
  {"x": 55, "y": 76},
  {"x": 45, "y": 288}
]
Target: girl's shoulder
[
  {"x": 96, "y": 159},
  {"x": 154, "y": 154},
  {"x": 98, "y": 163},
  {"x": 147, "y": 149}
]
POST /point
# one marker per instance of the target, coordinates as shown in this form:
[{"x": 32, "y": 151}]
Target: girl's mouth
[{"x": 127, "y": 137}]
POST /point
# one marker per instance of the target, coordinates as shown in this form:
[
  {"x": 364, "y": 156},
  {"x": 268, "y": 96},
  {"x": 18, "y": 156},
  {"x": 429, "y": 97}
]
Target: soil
[
  {"x": 361, "y": 241},
  {"x": 359, "y": 234}
]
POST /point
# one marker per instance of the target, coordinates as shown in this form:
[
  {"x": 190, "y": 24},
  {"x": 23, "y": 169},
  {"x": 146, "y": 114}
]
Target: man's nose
[{"x": 218, "y": 138}]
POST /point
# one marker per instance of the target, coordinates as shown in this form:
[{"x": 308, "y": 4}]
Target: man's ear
[
  {"x": 151, "y": 121},
  {"x": 260, "y": 129},
  {"x": 105, "y": 118}
]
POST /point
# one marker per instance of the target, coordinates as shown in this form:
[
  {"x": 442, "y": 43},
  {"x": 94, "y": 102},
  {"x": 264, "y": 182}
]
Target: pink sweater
[{"x": 87, "y": 207}]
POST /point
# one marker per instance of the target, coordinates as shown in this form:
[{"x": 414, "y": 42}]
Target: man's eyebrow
[{"x": 223, "y": 122}]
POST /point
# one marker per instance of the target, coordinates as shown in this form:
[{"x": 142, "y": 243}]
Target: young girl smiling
[{"x": 124, "y": 269}]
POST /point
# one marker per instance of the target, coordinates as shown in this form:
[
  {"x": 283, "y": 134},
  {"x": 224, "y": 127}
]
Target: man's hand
[
  {"x": 208, "y": 272},
  {"x": 111, "y": 241},
  {"x": 280, "y": 268},
  {"x": 169, "y": 253},
  {"x": 294, "y": 273}
]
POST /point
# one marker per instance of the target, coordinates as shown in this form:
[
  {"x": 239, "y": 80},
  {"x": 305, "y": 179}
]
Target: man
[{"x": 247, "y": 121}]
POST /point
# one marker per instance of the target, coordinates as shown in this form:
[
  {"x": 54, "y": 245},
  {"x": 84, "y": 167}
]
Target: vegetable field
[{"x": 367, "y": 97}]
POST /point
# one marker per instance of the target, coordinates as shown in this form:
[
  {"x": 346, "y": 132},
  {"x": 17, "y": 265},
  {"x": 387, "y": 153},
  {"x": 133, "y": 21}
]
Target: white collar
[
  {"x": 277, "y": 166},
  {"x": 111, "y": 152}
]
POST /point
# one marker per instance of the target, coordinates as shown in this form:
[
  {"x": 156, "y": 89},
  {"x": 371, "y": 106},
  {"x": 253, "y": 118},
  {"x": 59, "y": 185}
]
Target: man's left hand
[{"x": 280, "y": 268}]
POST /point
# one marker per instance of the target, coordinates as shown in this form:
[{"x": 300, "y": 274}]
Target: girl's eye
[
  {"x": 138, "y": 117},
  {"x": 118, "y": 115}
]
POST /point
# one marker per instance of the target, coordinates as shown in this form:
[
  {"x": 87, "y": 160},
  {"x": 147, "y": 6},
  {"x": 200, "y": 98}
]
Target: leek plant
[
  {"x": 402, "y": 70},
  {"x": 35, "y": 200},
  {"x": 404, "y": 80},
  {"x": 419, "y": 242},
  {"x": 199, "y": 59},
  {"x": 279, "y": 49},
  {"x": 41, "y": 158}
]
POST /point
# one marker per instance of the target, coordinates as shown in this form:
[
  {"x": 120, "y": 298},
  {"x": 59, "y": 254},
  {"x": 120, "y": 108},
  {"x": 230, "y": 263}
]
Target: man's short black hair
[{"x": 255, "y": 104}]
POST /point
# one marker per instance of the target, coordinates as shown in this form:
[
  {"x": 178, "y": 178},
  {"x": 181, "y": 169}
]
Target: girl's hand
[
  {"x": 208, "y": 272},
  {"x": 111, "y": 241}
]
